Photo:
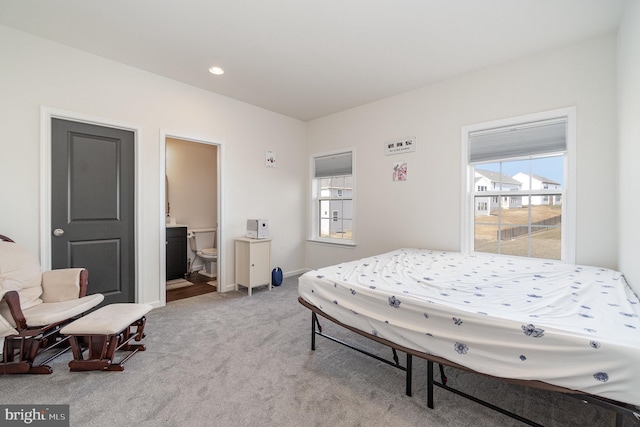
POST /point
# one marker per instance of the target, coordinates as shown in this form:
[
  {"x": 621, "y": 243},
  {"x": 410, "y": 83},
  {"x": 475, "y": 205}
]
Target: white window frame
[
  {"x": 568, "y": 234},
  {"x": 314, "y": 219}
]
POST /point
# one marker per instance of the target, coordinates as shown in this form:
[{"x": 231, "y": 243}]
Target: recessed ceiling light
[{"x": 216, "y": 70}]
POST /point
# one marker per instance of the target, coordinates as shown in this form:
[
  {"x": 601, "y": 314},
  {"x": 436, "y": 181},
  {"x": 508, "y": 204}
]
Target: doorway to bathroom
[{"x": 192, "y": 206}]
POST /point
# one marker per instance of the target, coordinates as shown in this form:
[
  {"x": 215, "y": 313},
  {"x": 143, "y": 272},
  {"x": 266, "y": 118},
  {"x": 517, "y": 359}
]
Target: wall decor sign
[
  {"x": 400, "y": 145},
  {"x": 270, "y": 159}
]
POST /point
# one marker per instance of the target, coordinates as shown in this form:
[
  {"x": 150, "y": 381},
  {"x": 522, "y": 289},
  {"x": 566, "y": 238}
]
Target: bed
[{"x": 570, "y": 328}]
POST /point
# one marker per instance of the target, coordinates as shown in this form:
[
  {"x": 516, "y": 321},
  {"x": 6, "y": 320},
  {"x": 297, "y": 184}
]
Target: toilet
[{"x": 202, "y": 242}]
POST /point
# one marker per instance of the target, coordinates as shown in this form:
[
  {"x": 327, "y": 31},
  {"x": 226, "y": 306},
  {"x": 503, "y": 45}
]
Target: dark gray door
[{"x": 92, "y": 205}]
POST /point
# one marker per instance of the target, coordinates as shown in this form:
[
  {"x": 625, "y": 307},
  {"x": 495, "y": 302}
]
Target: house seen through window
[{"x": 528, "y": 223}]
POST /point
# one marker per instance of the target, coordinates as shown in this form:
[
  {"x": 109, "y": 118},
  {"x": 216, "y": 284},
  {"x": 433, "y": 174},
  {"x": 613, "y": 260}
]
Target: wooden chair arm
[
  {"x": 13, "y": 301},
  {"x": 84, "y": 282}
]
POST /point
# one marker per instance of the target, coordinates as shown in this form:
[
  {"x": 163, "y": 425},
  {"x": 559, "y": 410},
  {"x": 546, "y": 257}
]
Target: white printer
[{"x": 258, "y": 228}]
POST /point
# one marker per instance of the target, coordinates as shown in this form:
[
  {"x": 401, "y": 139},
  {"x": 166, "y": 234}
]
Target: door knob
[{"x": 58, "y": 232}]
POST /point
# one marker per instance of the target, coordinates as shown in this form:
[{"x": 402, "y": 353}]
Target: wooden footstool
[{"x": 103, "y": 332}]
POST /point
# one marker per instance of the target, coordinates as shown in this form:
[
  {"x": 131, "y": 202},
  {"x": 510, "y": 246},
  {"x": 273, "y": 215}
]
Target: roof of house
[
  {"x": 497, "y": 177},
  {"x": 540, "y": 178},
  {"x": 545, "y": 180}
]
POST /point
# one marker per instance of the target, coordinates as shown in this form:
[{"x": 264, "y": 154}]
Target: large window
[
  {"x": 516, "y": 187},
  {"x": 333, "y": 197}
]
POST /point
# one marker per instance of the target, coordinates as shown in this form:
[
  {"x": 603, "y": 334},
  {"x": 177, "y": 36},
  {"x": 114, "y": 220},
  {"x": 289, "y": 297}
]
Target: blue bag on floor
[{"x": 276, "y": 276}]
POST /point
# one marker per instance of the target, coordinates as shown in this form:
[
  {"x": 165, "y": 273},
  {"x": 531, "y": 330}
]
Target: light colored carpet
[
  {"x": 233, "y": 360},
  {"x": 213, "y": 283}
]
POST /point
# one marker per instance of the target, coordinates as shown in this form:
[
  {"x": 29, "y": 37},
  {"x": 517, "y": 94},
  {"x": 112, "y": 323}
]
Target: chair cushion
[
  {"x": 108, "y": 320},
  {"x": 20, "y": 271},
  {"x": 53, "y": 312},
  {"x": 61, "y": 285}
]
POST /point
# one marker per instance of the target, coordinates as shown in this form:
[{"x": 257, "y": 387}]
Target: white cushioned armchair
[{"x": 34, "y": 305}]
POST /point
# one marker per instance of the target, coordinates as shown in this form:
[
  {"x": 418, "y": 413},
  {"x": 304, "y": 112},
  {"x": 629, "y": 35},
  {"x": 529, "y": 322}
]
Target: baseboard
[
  {"x": 232, "y": 287},
  {"x": 296, "y": 272},
  {"x": 196, "y": 267},
  {"x": 155, "y": 304},
  {"x": 226, "y": 288}
]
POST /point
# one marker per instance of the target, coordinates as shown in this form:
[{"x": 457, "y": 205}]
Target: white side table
[{"x": 253, "y": 262}]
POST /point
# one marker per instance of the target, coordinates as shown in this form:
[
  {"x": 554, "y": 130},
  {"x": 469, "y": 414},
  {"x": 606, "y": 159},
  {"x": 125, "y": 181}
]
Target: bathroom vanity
[{"x": 176, "y": 251}]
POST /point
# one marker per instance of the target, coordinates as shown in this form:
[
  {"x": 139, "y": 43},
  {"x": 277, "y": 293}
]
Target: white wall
[
  {"x": 425, "y": 210},
  {"x": 629, "y": 133},
  {"x": 192, "y": 174},
  {"x": 36, "y": 73}
]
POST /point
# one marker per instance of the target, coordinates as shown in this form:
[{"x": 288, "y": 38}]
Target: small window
[{"x": 332, "y": 198}]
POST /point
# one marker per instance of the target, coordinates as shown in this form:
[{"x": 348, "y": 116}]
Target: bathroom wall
[{"x": 192, "y": 174}]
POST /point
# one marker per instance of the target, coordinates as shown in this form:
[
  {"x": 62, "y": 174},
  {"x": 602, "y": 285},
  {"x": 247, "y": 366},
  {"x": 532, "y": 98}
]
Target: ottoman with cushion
[{"x": 103, "y": 332}]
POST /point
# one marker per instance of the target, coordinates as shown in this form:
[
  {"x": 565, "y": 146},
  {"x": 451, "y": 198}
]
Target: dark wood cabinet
[{"x": 176, "y": 252}]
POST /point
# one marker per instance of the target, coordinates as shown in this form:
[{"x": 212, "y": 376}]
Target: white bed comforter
[{"x": 576, "y": 327}]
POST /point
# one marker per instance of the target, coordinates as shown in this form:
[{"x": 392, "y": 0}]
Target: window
[
  {"x": 526, "y": 163},
  {"x": 332, "y": 198}
]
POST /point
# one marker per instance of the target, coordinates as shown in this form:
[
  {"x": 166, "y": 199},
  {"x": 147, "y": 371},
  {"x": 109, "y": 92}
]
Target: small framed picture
[
  {"x": 400, "y": 171},
  {"x": 271, "y": 159}
]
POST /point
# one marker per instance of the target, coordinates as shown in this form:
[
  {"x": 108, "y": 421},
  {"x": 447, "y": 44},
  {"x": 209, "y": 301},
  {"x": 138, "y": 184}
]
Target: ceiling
[{"x": 311, "y": 58}]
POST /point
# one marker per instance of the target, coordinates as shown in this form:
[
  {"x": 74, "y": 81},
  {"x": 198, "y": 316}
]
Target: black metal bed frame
[{"x": 621, "y": 409}]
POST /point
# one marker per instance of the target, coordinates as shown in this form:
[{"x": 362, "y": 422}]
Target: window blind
[
  {"x": 333, "y": 165},
  {"x": 545, "y": 137}
]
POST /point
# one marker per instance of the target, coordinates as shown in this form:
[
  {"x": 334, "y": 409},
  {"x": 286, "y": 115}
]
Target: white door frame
[
  {"x": 46, "y": 115},
  {"x": 162, "y": 207}
]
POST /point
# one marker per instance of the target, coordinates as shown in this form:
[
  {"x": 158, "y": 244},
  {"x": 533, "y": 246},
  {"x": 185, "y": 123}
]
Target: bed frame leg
[
  {"x": 430, "y": 384},
  {"x": 408, "y": 369},
  {"x": 314, "y": 320},
  {"x": 395, "y": 356},
  {"x": 409, "y": 374},
  {"x": 443, "y": 377},
  {"x": 316, "y": 328}
]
